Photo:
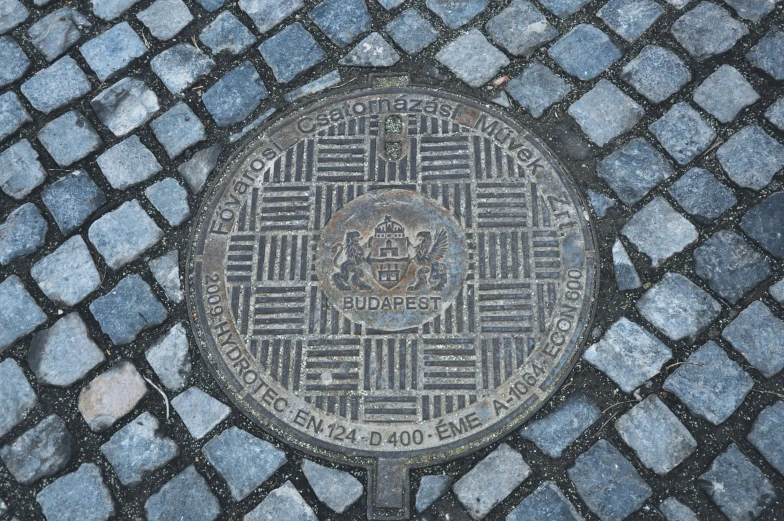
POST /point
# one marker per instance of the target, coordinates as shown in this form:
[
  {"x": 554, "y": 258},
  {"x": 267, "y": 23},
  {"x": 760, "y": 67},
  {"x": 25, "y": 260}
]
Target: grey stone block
[
  {"x": 472, "y": 58},
  {"x": 753, "y": 10},
  {"x": 608, "y": 483},
  {"x": 456, "y": 13},
  {"x": 343, "y": 21},
  {"x": 372, "y": 51},
  {"x": 22, "y": 233},
  {"x": 113, "y": 50},
  {"x": 584, "y": 52},
  {"x": 390, "y": 4},
  {"x": 520, "y": 28},
  {"x": 768, "y": 54},
  {"x": 58, "y": 31},
  {"x": 178, "y": 129},
  {"x": 605, "y": 112},
  {"x": 656, "y": 435},
  {"x": 656, "y": 73},
  {"x": 537, "y": 88},
  {"x": 411, "y": 32},
  {"x": 600, "y": 203},
  {"x": 111, "y": 9},
  {"x": 683, "y": 133},
  {"x": 64, "y": 354},
  {"x": 328, "y": 80},
  {"x": 14, "y": 59},
  {"x": 674, "y": 510},
  {"x": 198, "y": 167},
  {"x": 725, "y": 93},
  {"x": 111, "y": 395},
  {"x": 243, "y": 460},
  {"x": 170, "y": 359},
  {"x": 210, "y": 5},
  {"x": 431, "y": 489},
  {"x": 707, "y": 30},
  {"x": 291, "y": 52},
  {"x": 777, "y": 291},
  {"x": 767, "y": 435},
  {"x": 165, "y": 18},
  {"x": 127, "y": 163},
  {"x": 756, "y": 333},
  {"x": 284, "y": 502},
  {"x": 20, "y": 170},
  {"x": 267, "y": 14},
  {"x": 335, "y": 488},
  {"x": 170, "y": 199},
  {"x": 702, "y": 195},
  {"x": 21, "y": 314},
  {"x": 659, "y": 231},
  {"x": 57, "y": 85},
  {"x": 633, "y": 170},
  {"x": 69, "y": 138},
  {"x": 227, "y": 35},
  {"x": 626, "y": 276},
  {"x": 630, "y": 18},
  {"x": 730, "y": 265},
  {"x": 236, "y": 95},
  {"x": 751, "y": 157},
  {"x": 78, "y": 496},
  {"x": 775, "y": 113},
  {"x": 166, "y": 270},
  {"x": 739, "y": 489},
  {"x": 68, "y": 274},
  {"x": 17, "y": 398},
  {"x": 185, "y": 496},
  {"x": 763, "y": 224},
  {"x": 491, "y": 481},
  {"x": 40, "y": 452},
  {"x": 710, "y": 384},
  {"x": 181, "y": 66},
  {"x": 125, "y": 106},
  {"x": 13, "y": 13},
  {"x": 13, "y": 115},
  {"x": 199, "y": 411},
  {"x": 677, "y": 307},
  {"x": 72, "y": 199},
  {"x": 128, "y": 309},
  {"x": 545, "y": 503},
  {"x": 139, "y": 449},
  {"x": 628, "y": 354},
  {"x": 564, "y": 8},
  {"x": 561, "y": 427}
]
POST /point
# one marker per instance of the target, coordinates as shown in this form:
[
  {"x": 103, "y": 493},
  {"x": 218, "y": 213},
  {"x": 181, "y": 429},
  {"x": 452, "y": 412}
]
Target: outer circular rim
[{"x": 413, "y": 458}]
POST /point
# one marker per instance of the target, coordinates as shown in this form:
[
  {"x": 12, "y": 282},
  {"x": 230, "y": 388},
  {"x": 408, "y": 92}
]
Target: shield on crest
[{"x": 389, "y": 253}]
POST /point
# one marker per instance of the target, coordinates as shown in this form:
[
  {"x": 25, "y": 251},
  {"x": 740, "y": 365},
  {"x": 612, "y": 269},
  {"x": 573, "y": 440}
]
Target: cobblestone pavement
[{"x": 670, "y": 116}]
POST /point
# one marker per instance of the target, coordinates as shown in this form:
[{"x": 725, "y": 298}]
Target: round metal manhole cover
[{"x": 391, "y": 277}]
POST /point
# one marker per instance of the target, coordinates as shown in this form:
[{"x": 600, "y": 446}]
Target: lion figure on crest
[{"x": 430, "y": 251}]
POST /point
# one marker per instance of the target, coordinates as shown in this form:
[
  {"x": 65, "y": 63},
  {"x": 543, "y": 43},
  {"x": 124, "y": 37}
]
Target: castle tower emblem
[{"x": 389, "y": 253}]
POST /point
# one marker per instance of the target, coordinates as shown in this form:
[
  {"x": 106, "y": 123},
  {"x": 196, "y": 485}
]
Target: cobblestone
[
  {"x": 472, "y": 58},
  {"x": 608, "y": 483},
  {"x": 68, "y": 274},
  {"x": 431, "y": 489},
  {"x": 21, "y": 314},
  {"x": 520, "y": 28},
  {"x": 139, "y": 449},
  {"x": 561, "y": 427},
  {"x": 600, "y": 203},
  {"x": 20, "y": 170},
  {"x": 22, "y": 233},
  {"x": 227, "y": 35},
  {"x": 266, "y": 14},
  {"x": 456, "y": 13},
  {"x": 633, "y": 170},
  {"x": 756, "y": 334},
  {"x": 659, "y": 231},
  {"x": 707, "y": 30},
  {"x": 284, "y": 502},
  {"x": 564, "y": 8},
  {"x": 628, "y": 354},
  {"x": 178, "y": 129},
  {"x": 111, "y": 9},
  {"x": 198, "y": 167},
  {"x": 181, "y": 66},
  {"x": 737, "y": 487},
  {"x": 491, "y": 481},
  {"x": 335, "y": 488},
  {"x": 725, "y": 93},
  {"x": 72, "y": 199},
  {"x": 605, "y": 112},
  {"x": 170, "y": 359},
  {"x": 702, "y": 195},
  {"x": 767, "y": 435},
  {"x": 113, "y": 50},
  {"x": 69, "y": 138},
  {"x": 390, "y": 4},
  {"x": 199, "y": 411},
  {"x": 78, "y": 496},
  {"x": 166, "y": 271},
  {"x": 185, "y": 496},
  {"x": 674, "y": 510},
  {"x": 751, "y": 157},
  {"x": 630, "y": 18},
  {"x": 762, "y": 223},
  {"x": 291, "y": 52},
  {"x": 372, "y": 51},
  {"x": 58, "y": 31},
  {"x": 626, "y": 276},
  {"x": 127, "y": 310},
  {"x": 111, "y": 395},
  {"x": 12, "y": 114},
  {"x": 754, "y": 11},
  {"x": 14, "y": 59},
  {"x": 165, "y": 18},
  {"x": 768, "y": 54},
  {"x": 411, "y": 32},
  {"x": 683, "y": 133},
  {"x": 656, "y": 73},
  {"x": 125, "y": 106},
  {"x": 775, "y": 113},
  {"x": 537, "y": 88},
  {"x": 546, "y": 502},
  {"x": 170, "y": 199},
  {"x": 236, "y": 95},
  {"x": 17, "y": 398},
  {"x": 13, "y": 13},
  {"x": 40, "y": 452},
  {"x": 64, "y": 354},
  {"x": 584, "y": 52},
  {"x": 122, "y": 235},
  {"x": 343, "y": 21}
]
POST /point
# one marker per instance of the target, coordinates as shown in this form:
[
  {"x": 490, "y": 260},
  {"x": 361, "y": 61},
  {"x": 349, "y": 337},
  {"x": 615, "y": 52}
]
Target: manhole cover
[{"x": 391, "y": 277}]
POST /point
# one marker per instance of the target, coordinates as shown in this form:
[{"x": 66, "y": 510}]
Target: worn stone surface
[
  {"x": 78, "y": 496},
  {"x": 600, "y": 203},
  {"x": 545, "y": 503},
  {"x": 291, "y": 52},
  {"x": 628, "y": 354},
  {"x": 170, "y": 199},
  {"x": 185, "y": 496},
  {"x": 626, "y": 276},
  {"x": 775, "y": 113},
  {"x": 125, "y": 106},
  {"x": 343, "y": 21},
  {"x": 674, "y": 510},
  {"x": 111, "y": 395},
  {"x": 605, "y": 112},
  {"x": 20, "y": 170},
  {"x": 767, "y": 435},
  {"x": 737, "y": 487},
  {"x": 17, "y": 398},
  {"x": 58, "y": 31},
  {"x": 411, "y": 32},
  {"x": 564, "y": 8},
  {"x": 111, "y": 9},
  {"x": 165, "y": 18},
  {"x": 491, "y": 481},
  {"x": 181, "y": 66},
  {"x": 561, "y": 427},
  {"x": 21, "y": 314},
  {"x": 170, "y": 359},
  {"x": 236, "y": 95},
  {"x": 630, "y": 18},
  {"x": 178, "y": 129},
  {"x": 64, "y": 354},
  {"x": 431, "y": 489},
  {"x": 707, "y": 30},
  {"x": 13, "y": 13},
  {"x": 372, "y": 51},
  {"x": 284, "y": 502},
  {"x": 330, "y": 79},
  {"x": 198, "y": 167},
  {"x": 227, "y": 35},
  {"x": 768, "y": 54},
  {"x": 683, "y": 133},
  {"x": 139, "y": 449},
  {"x": 537, "y": 88},
  {"x": 633, "y": 170},
  {"x": 127, "y": 310},
  {"x": 777, "y": 291},
  {"x": 472, "y": 58},
  {"x": 456, "y": 13},
  {"x": 756, "y": 333},
  {"x": 660, "y": 232},
  {"x": 72, "y": 199},
  {"x": 122, "y": 235},
  {"x": 751, "y": 157},
  {"x": 113, "y": 50},
  {"x": 702, "y": 195},
  {"x": 22, "y": 233},
  {"x": 14, "y": 59},
  {"x": 68, "y": 274},
  {"x": 166, "y": 271},
  {"x": 762, "y": 222},
  {"x": 40, "y": 452},
  {"x": 753, "y": 10},
  {"x": 584, "y": 52},
  {"x": 266, "y": 14},
  {"x": 69, "y": 138},
  {"x": 199, "y": 411},
  {"x": 12, "y": 114},
  {"x": 520, "y": 28},
  {"x": 335, "y": 488},
  {"x": 656, "y": 73},
  {"x": 725, "y": 93}
]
